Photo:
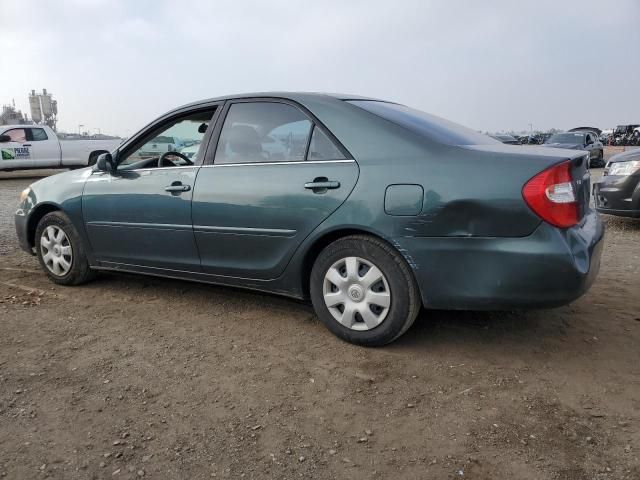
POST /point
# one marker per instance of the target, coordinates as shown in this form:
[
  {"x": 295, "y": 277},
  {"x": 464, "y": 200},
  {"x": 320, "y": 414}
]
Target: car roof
[
  {"x": 295, "y": 96},
  {"x": 22, "y": 125},
  {"x": 595, "y": 130}
]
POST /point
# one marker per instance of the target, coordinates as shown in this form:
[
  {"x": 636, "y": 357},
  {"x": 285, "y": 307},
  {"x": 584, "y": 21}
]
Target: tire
[
  {"x": 93, "y": 158},
  {"x": 384, "y": 323},
  {"x": 78, "y": 270}
]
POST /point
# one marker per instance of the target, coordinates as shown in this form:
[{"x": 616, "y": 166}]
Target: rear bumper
[
  {"x": 548, "y": 268},
  {"x": 617, "y": 195}
]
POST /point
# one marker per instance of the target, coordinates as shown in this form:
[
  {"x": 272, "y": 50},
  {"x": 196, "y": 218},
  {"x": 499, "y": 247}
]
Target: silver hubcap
[
  {"x": 357, "y": 293},
  {"x": 56, "y": 250}
]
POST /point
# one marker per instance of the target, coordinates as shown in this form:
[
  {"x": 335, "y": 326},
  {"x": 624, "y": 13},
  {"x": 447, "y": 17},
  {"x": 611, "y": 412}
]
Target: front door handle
[
  {"x": 177, "y": 187},
  {"x": 321, "y": 185}
]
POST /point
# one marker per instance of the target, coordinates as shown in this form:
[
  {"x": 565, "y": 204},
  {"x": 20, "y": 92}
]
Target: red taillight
[{"x": 551, "y": 194}]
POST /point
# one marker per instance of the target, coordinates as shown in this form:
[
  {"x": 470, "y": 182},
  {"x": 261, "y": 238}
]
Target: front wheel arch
[
  {"x": 34, "y": 218},
  {"x": 65, "y": 243}
]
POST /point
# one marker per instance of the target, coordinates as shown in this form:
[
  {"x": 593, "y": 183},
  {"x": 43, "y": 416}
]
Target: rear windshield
[
  {"x": 570, "y": 138},
  {"x": 436, "y": 128}
]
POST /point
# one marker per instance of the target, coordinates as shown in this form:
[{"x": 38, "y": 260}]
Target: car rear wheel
[
  {"x": 364, "y": 291},
  {"x": 60, "y": 250}
]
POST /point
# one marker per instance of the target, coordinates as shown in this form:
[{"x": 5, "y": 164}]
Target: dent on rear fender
[{"x": 470, "y": 218}]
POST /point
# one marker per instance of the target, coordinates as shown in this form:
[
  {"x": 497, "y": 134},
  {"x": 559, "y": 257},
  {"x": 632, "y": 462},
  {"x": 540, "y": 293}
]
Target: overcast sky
[{"x": 490, "y": 65}]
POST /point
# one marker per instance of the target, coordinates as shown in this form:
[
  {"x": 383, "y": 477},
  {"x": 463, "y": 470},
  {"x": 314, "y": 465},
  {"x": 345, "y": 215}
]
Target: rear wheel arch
[
  {"x": 328, "y": 238},
  {"x": 34, "y": 218},
  {"x": 370, "y": 312}
]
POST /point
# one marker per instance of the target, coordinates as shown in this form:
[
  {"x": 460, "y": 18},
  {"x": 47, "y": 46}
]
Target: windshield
[
  {"x": 572, "y": 138},
  {"x": 436, "y": 128}
]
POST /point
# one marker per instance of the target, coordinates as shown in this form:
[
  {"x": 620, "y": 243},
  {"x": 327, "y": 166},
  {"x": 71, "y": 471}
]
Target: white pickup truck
[{"x": 37, "y": 146}]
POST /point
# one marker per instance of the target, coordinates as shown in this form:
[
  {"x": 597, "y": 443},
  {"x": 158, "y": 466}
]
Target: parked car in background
[
  {"x": 624, "y": 135},
  {"x": 533, "y": 139},
  {"x": 192, "y": 149},
  {"x": 625, "y": 129},
  {"x": 159, "y": 145},
  {"x": 596, "y": 130},
  {"x": 38, "y": 146},
  {"x": 544, "y": 137},
  {"x": 605, "y": 136},
  {"x": 617, "y": 192},
  {"x": 580, "y": 140},
  {"x": 506, "y": 139},
  {"x": 386, "y": 209}
]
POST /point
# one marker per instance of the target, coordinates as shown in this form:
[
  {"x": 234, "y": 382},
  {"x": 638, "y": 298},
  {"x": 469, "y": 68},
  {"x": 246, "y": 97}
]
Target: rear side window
[
  {"x": 17, "y": 135},
  {"x": 38, "y": 134},
  {"x": 255, "y": 132},
  {"x": 436, "y": 128},
  {"x": 322, "y": 148}
]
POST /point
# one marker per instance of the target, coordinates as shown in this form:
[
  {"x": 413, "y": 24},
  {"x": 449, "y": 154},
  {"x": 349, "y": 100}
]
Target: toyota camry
[{"x": 370, "y": 209}]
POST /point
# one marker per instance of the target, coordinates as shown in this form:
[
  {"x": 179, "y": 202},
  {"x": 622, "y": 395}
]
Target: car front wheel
[
  {"x": 60, "y": 250},
  {"x": 364, "y": 291}
]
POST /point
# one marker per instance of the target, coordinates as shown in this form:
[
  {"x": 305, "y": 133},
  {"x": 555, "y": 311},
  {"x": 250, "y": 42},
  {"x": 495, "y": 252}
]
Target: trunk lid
[{"x": 540, "y": 158}]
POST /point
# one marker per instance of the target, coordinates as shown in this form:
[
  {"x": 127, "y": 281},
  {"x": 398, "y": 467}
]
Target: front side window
[
  {"x": 17, "y": 135},
  {"x": 256, "y": 132},
  {"x": 322, "y": 148},
  {"x": 183, "y": 135},
  {"x": 38, "y": 134}
]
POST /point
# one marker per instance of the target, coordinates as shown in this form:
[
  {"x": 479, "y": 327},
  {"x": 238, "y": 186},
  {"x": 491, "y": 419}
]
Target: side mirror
[
  {"x": 105, "y": 163},
  {"x": 5, "y": 138}
]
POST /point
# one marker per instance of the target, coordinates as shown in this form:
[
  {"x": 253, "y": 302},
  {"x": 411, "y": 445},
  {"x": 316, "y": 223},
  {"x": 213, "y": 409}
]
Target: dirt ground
[{"x": 132, "y": 377}]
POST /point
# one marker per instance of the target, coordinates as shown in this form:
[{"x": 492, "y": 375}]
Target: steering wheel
[{"x": 163, "y": 159}]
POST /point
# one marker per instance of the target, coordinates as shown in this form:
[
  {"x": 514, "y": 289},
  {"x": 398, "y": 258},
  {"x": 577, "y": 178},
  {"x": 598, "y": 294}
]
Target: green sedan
[{"x": 370, "y": 209}]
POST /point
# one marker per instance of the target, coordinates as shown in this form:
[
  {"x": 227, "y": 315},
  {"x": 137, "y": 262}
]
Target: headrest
[{"x": 244, "y": 140}]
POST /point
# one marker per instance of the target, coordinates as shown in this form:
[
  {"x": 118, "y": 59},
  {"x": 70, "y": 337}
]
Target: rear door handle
[
  {"x": 321, "y": 185},
  {"x": 177, "y": 187}
]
